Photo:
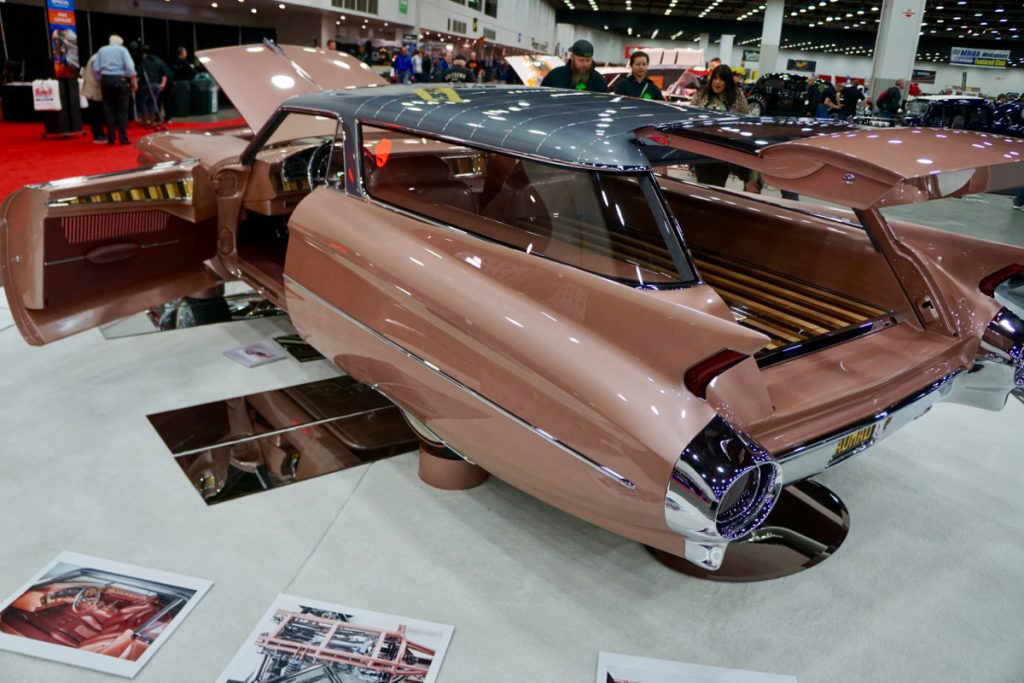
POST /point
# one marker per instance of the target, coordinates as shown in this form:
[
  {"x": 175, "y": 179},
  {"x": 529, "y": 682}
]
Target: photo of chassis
[{"x": 303, "y": 641}]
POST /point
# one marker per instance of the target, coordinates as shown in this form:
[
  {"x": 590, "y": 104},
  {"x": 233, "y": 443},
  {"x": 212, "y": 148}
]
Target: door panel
[{"x": 81, "y": 252}]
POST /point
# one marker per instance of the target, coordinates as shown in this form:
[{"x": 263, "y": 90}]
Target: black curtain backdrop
[{"x": 29, "y": 42}]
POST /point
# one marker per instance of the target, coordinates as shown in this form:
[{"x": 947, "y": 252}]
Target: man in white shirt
[
  {"x": 417, "y": 66},
  {"x": 115, "y": 69}
]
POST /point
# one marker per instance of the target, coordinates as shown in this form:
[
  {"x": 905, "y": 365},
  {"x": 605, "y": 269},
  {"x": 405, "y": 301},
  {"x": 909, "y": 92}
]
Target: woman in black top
[{"x": 637, "y": 84}]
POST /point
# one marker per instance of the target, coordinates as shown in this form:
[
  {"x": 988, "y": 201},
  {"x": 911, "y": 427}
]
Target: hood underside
[{"x": 258, "y": 78}]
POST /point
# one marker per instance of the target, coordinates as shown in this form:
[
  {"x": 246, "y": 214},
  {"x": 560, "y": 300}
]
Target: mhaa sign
[{"x": 969, "y": 56}]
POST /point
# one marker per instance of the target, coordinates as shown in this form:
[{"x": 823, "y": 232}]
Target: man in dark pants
[
  {"x": 115, "y": 70},
  {"x": 578, "y": 73}
]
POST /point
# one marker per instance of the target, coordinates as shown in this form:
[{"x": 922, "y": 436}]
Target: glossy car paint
[{"x": 526, "y": 366}]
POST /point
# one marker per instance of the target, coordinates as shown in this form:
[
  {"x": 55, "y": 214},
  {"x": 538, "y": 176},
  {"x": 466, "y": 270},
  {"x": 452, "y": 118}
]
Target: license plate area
[{"x": 853, "y": 443}]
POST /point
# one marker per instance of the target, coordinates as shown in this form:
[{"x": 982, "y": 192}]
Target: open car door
[{"x": 80, "y": 252}]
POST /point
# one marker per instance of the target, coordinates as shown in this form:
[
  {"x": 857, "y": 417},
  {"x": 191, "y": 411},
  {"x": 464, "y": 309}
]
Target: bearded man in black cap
[{"x": 578, "y": 73}]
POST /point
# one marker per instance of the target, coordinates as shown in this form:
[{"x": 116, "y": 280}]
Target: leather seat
[{"x": 409, "y": 180}]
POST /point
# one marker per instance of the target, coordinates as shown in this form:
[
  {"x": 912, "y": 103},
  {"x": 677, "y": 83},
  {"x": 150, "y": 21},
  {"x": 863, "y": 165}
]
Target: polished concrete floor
[{"x": 927, "y": 586}]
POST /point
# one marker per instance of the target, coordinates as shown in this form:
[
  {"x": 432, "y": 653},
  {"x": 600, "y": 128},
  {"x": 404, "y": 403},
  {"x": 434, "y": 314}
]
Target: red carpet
[{"x": 26, "y": 158}]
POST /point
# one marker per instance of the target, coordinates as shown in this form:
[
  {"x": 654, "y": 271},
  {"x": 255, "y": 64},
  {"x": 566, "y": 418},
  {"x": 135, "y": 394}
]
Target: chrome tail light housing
[
  {"x": 723, "y": 486},
  {"x": 998, "y": 370}
]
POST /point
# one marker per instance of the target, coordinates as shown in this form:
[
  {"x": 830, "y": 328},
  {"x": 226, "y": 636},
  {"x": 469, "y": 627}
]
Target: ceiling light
[
  {"x": 253, "y": 10},
  {"x": 213, "y": 5},
  {"x": 281, "y": 6}
]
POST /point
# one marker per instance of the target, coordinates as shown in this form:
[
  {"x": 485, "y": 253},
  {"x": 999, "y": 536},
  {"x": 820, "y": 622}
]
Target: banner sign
[
  {"x": 801, "y": 65},
  {"x": 922, "y": 76},
  {"x": 46, "y": 95},
  {"x": 63, "y": 38},
  {"x": 403, "y": 6},
  {"x": 751, "y": 55},
  {"x": 970, "y": 56}
]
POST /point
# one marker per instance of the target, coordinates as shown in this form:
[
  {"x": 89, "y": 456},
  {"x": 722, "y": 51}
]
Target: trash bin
[
  {"x": 203, "y": 97},
  {"x": 180, "y": 101}
]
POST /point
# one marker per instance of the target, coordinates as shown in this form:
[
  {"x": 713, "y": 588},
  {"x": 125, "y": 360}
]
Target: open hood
[
  {"x": 861, "y": 169},
  {"x": 258, "y": 78}
]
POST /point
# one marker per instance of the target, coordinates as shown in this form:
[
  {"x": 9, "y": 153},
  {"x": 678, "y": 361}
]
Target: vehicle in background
[{"x": 778, "y": 94}]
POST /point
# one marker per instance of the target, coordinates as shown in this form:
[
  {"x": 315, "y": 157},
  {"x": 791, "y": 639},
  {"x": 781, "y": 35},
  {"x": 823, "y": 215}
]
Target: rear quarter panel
[{"x": 594, "y": 364}]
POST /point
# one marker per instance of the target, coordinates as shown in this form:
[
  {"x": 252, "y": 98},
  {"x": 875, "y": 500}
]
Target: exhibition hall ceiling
[{"x": 845, "y": 26}]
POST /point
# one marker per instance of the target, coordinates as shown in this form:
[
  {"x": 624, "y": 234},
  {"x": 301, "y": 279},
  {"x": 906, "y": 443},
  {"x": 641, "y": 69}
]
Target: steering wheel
[
  {"x": 319, "y": 161},
  {"x": 87, "y": 598}
]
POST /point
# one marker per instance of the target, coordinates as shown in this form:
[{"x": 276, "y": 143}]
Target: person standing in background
[
  {"x": 636, "y": 84},
  {"x": 118, "y": 80},
  {"x": 402, "y": 66},
  {"x": 578, "y": 72},
  {"x": 94, "y": 95},
  {"x": 182, "y": 67},
  {"x": 459, "y": 73},
  {"x": 156, "y": 76},
  {"x": 417, "y": 66}
]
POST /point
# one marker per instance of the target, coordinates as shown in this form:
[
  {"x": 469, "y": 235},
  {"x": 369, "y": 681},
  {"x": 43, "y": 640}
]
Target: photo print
[
  {"x": 616, "y": 668},
  {"x": 308, "y": 641},
  {"x": 97, "y": 614}
]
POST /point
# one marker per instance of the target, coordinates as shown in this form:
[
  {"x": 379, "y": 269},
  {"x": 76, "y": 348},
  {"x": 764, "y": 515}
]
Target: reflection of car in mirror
[{"x": 503, "y": 263}]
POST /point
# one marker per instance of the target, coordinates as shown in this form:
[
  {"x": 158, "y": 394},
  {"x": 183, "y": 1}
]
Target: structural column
[
  {"x": 771, "y": 36},
  {"x": 725, "y": 48},
  {"x": 704, "y": 43},
  {"x": 896, "y": 45}
]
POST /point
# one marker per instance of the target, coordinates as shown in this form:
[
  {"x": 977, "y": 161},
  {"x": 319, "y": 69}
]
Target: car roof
[{"x": 565, "y": 126}]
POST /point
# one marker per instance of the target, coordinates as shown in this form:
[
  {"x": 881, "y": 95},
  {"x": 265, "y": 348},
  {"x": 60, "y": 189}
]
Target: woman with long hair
[{"x": 721, "y": 93}]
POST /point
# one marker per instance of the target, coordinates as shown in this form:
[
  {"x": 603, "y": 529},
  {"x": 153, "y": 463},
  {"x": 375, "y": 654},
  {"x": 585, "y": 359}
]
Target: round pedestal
[
  {"x": 443, "y": 469},
  {"x": 807, "y": 525}
]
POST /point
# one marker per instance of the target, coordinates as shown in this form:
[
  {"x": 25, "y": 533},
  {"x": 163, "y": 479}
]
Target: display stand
[
  {"x": 807, "y": 525},
  {"x": 443, "y": 469},
  {"x": 68, "y": 121}
]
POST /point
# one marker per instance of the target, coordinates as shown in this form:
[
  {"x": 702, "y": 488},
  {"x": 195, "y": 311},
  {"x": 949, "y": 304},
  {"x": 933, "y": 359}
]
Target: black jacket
[
  {"x": 644, "y": 89},
  {"x": 459, "y": 74},
  {"x": 561, "y": 77}
]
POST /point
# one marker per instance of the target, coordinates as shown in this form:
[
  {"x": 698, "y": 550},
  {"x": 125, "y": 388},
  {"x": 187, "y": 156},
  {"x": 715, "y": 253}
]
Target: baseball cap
[{"x": 582, "y": 48}]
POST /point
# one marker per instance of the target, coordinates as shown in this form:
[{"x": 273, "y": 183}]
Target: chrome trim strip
[
  {"x": 63, "y": 202},
  {"x": 612, "y": 474},
  {"x": 69, "y": 182},
  {"x": 805, "y": 461}
]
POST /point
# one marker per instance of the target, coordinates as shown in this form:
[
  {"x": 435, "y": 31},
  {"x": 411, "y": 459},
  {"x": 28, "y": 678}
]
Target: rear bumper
[{"x": 806, "y": 461}]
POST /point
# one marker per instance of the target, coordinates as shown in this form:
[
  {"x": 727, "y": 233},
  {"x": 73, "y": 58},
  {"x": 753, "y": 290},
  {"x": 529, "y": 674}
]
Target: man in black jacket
[
  {"x": 636, "y": 84},
  {"x": 459, "y": 73},
  {"x": 578, "y": 73}
]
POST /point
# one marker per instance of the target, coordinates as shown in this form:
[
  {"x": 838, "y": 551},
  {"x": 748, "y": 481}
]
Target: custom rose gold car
[{"x": 503, "y": 263}]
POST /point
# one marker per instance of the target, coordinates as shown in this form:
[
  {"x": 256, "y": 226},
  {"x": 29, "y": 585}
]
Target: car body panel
[
  {"x": 82, "y": 252},
  {"x": 501, "y": 339},
  {"x": 258, "y": 78},
  {"x": 859, "y": 168}
]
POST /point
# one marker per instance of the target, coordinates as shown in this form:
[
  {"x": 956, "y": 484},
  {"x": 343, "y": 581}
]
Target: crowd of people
[{"x": 117, "y": 77}]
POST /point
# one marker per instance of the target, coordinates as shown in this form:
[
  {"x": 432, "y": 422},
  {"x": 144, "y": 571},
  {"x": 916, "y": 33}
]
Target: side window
[
  {"x": 303, "y": 151},
  {"x": 600, "y": 222}
]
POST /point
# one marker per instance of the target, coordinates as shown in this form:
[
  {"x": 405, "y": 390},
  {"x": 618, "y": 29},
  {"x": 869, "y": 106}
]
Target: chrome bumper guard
[{"x": 807, "y": 461}]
